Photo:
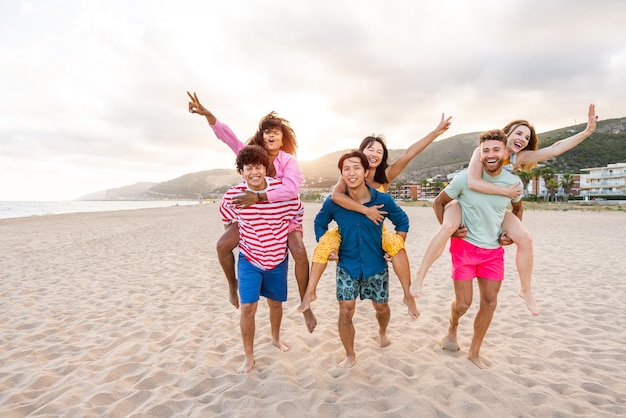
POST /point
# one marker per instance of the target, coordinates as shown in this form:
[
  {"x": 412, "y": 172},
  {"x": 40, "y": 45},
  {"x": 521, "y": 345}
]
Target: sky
[{"x": 93, "y": 93}]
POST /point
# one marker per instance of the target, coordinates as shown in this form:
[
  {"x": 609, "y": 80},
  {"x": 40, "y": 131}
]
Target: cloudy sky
[{"x": 93, "y": 93}]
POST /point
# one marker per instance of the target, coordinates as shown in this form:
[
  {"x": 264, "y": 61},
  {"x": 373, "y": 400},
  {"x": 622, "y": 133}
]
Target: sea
[{"x": 26, "y": 209}]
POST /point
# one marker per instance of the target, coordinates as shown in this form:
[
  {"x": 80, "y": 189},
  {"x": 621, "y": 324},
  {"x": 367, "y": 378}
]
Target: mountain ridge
[{"x": 606, "y": 145}]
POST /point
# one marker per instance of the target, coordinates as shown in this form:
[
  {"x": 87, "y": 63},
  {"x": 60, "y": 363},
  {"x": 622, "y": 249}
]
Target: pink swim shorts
[{"x": 470, "y": 261}]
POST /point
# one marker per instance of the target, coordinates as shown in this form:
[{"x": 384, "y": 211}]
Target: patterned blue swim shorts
[{"x": 375, "y": 288}]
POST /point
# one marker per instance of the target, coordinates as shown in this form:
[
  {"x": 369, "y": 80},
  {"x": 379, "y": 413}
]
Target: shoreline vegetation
[
  {"x": 589, "y": 206},
  {"x": 596, "y": 206}
]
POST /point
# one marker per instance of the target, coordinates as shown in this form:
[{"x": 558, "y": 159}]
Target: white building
[{"x": 604, "y": 181}]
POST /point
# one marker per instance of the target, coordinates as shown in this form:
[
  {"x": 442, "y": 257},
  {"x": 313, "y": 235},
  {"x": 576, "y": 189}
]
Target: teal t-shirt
[{"x": 482, "y": 213}]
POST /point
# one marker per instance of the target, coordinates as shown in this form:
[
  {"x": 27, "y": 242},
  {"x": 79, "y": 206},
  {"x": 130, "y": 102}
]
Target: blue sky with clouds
[{"x": 94, "y": 92}]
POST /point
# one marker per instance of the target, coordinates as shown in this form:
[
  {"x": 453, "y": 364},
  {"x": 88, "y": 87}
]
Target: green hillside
[{"x": 606, "y": 145}]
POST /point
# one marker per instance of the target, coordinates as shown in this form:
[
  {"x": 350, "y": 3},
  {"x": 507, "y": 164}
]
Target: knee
[
  {"x": 224, "y": 245},
  {"x": 382, "y": 308},
  {"x": 248, "y": 309},
  {"x": 274, "y": 305},
  {"x": 346, "y": 313},
  {"x": 461, "y": 306},
  {"x": 448, "y": 227},
  {"x": 299, "y": 254},
  {"x": 489, "y": 304}
]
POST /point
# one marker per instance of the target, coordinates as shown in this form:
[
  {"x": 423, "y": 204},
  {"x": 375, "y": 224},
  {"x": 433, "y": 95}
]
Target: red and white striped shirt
[{"x": 263, "y": 227}]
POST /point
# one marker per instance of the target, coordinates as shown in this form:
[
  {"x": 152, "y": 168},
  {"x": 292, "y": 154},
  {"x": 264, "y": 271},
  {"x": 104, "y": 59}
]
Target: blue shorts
[
  {"x": 375, "y": 288},
  {"x": 255, "y": 282},
  {"x": 469, "y": 261}
]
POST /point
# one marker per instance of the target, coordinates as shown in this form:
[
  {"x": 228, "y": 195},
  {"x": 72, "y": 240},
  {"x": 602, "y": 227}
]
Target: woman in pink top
[{"x": 278, "y": 138}]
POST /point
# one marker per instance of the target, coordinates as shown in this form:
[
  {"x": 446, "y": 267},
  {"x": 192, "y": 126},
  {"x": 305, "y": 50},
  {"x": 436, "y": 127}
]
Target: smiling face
[
  {"x": 273, "y": 140},
  {"x": 492, "y": 155},
  {"x": 375, "y": 154},
  {"x": 254, "y": 175},
  {"x": 353, "y": 173},
  {"x": 518, "y": 139}
]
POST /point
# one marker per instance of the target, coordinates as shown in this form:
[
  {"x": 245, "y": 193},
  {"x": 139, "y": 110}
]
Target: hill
[{"x": 606, "y": 145}]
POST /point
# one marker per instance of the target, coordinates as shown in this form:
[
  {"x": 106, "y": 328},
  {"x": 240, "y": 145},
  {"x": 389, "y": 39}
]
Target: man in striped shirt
[{"x": 263, "y": 231}]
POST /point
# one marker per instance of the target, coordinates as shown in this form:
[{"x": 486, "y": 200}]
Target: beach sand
[{"x": 126, "y": 314}]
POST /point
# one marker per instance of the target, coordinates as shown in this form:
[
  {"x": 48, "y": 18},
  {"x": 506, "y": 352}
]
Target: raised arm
[
  {"x": 394, "y": 169},
  {"x": 559, "y": 147},
  {"x": 374, "y": 213},
  {"x": 475, "y": 180},
  {"x": 196, "y": 107},
  {"x": 222, "y": 131}
]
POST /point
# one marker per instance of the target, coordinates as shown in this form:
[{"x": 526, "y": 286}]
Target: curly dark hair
[
  {"x": 272, "y": 121},
  {"x": 252, "y": 155}
]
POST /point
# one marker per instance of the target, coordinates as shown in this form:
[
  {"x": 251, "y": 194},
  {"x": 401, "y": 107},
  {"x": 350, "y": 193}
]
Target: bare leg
[
  {"x": 346, "y": 332},
  {"x": 488, "y": 301},
  {"x": 383, "y": 313},
  {"x": 246, "y": 323},
  {"x": 524, "y": 258},
  {"x": 452, "y": 216},
  {"x": 225, "y": 246},
  {"x": 298, "y": 251},
  {"x": 463, "y": 294},
  {"x": 401, "y": 268},
  {"x": 276, "y": 317},
  {"x": 317, "y": 269}
]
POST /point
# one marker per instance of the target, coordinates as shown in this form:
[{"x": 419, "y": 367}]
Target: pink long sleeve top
[{"x": 286, "y": 165}]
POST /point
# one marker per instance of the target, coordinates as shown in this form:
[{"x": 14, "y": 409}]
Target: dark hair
[
  {"x": 273, "y": 121},
  {"x": 533, "y": 142},
  {"x": 354, "y": 154},
  {"x": 493, "y": 135},
  {"x": 380, "y": 176},
  {"x": 252, "y": 155}
]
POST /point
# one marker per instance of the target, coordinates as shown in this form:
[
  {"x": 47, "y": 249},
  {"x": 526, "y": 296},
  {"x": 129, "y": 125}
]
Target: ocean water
[{"x": 25, "y": 209}]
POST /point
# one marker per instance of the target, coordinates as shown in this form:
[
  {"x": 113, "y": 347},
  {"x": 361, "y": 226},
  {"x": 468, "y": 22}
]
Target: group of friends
[{"x": 480, "y": 210}]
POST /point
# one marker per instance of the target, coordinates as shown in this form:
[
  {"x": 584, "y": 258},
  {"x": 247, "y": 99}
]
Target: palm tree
[
  {"x": 525, "y": 177},
  {"x": 567, "y": 182},
  {"x": 548, "y": 175},
  {"x": 536, "y": 175},
  {"x": 552, "y": 185},
  {"x": 424, "y": 183}
]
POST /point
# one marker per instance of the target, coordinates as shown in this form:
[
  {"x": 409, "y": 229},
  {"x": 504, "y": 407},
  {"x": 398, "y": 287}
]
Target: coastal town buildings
[{"x": 604, "y": 181}]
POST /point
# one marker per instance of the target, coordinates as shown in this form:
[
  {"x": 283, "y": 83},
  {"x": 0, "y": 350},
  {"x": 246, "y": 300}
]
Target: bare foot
[
  {"x": 410, "y": 303},
  {"x": 310, "y": 320},
  {"x": 282, "y": 347},
  {"x": 478, "y": 362},
  {"x": 246, "y": 367},
  {"x": 530, "y": 302},
  {"x": 233, "y": 297},
  {"x": 305, "y": 305},
  {"x": 449, "y": 344},
  {"x": 347, "y": 362},
  {"x": 416, "y": 287},
  {"x": 384, "y": 340}
]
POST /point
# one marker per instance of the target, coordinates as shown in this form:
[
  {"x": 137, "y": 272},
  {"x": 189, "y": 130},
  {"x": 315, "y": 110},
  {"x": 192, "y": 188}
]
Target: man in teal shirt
[{"x": 477, "y": 253}]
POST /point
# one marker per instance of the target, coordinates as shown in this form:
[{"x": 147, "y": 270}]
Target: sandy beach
[{"x": 126, "y": 314}]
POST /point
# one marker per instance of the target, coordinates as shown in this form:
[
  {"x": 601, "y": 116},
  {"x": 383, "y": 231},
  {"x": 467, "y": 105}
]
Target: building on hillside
[{"x": 604, "y": 181}]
